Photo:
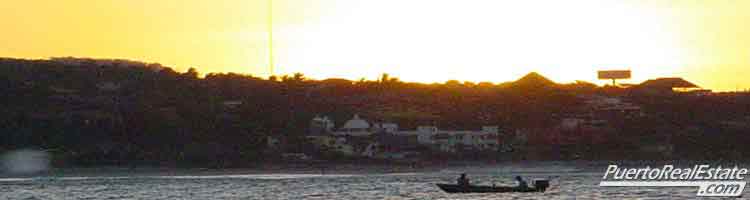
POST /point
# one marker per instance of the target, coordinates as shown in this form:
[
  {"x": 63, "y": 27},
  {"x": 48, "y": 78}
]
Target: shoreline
[{"x": 333, "y": 168}]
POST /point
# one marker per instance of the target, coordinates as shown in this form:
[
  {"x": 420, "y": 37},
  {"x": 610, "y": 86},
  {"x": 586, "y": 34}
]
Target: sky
[{"x": 705, "y": 42}]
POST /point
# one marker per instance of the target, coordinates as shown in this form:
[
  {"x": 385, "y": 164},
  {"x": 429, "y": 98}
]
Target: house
[
  {"x": 319, "y": 133},
  {"x": 232, "y": 104},
  {"x": 323, "y": 135},
  {"x": 603, "y": 107},
  {"x": 62, "y": 90},
  {"x": 342, "y": 146},
  {"x": 425, "y": 134},
  {"x": 320, "y": 126},
  {"x": 357, "y": 136},
  {"x": 108, "y": 86},
  {"x": 355, "y": 127},
  {"x": 389, "y": 145},
  {"x": 486, "y": 139},
  {"x": 332, "y": 143},
  {"x": 385, "y": 127},
  {"x": 668, "y": 86}
]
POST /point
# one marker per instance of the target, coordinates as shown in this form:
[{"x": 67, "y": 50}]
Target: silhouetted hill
[
  {"x": 533, "y": 80},
  {"x": 93, "y": 111}
]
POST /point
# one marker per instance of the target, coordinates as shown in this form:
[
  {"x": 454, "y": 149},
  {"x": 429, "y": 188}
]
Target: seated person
[
  {"x": 463, "y": 181},
  {"x": 521, "y": 182}
]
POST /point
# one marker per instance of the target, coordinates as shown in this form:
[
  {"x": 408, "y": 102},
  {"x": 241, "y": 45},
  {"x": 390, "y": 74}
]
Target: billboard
[{"x": 614, "y": 74}]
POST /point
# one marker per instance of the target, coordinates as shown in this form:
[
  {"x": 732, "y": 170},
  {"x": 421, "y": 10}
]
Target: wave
[{"x": 234, "y": 176}]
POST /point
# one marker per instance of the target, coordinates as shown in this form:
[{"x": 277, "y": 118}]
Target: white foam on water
[
  {"x": 257, "y": 176},
  {"x": 69, "y": 178},
  {"x": 233, "y": 176},
  {"x": 15, "y": 179}
]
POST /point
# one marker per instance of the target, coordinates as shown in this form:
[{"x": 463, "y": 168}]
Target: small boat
[{"x": 539, "y": 186}]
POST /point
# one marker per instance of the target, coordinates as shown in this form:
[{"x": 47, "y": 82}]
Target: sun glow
[
  {"x": 706, "y": 42},
  {"x": 434, "y": 41}
]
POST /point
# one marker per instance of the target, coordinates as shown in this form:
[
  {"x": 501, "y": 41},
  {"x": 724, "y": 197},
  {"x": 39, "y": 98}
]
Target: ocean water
[{"x": 568, "y": 182}]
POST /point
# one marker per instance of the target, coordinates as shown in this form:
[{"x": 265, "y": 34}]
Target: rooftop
[
  {"x": 356, "y": 123},
  {"x": 672, "y": 82}
]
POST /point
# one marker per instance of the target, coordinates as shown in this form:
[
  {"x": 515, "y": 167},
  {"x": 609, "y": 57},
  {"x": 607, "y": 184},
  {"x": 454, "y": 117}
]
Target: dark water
[{"x": 567, "y": 183}]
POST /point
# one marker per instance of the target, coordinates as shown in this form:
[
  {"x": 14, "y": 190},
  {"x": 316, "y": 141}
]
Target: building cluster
[
  {"x": 385, "y": 140},
  {"x": 590, "y": 124}
]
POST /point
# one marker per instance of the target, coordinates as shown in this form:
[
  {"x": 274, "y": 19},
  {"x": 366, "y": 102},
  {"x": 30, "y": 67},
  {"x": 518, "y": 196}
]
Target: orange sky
[{"x": 706, "y": 42}]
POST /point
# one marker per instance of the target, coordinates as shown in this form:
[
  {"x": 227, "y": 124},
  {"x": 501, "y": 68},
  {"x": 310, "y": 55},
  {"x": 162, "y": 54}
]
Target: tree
[{"x": 191, "y": 73}]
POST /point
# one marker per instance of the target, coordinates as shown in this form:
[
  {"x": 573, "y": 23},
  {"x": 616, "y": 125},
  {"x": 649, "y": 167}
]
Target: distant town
[
  {"x": 128, "y": 113},
  {"x": 358, "y": 137}
]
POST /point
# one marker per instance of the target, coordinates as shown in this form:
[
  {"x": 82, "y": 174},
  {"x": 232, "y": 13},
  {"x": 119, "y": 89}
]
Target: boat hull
[{"x": 453, "y": 188}]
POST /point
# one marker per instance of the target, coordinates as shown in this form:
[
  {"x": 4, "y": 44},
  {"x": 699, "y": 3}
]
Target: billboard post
[{"x": 614, "y": 75}]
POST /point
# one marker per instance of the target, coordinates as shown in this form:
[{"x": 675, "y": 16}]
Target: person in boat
[
  {"x": 521, "y": 182},
  {"x": 463, "y": 181}
]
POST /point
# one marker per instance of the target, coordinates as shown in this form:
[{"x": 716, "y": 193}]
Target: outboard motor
[{"x": 541, "y": 185}]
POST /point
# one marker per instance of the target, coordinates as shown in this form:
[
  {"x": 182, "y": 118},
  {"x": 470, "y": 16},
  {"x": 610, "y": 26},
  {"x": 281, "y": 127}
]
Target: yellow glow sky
[{"x": 706, "y": 42}]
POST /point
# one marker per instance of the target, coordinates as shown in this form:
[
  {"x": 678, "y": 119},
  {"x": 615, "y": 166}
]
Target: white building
[
  {"x": 486, "y": 139},
  {"x": 612, "y": 107},
  {"x": 354, "y": 127},
  {"x": 385, "y": 127},
  {"x": 450, "y": 140},
  {"x": 232, "y": 104},
  {"x": 320, "y": 125}
]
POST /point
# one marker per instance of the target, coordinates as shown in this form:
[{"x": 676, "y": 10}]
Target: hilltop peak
[{"x": 533, "y": 79}]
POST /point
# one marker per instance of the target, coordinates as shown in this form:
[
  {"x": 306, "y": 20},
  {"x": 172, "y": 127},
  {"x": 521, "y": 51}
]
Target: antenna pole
[{"x": 270, "y": 36}]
